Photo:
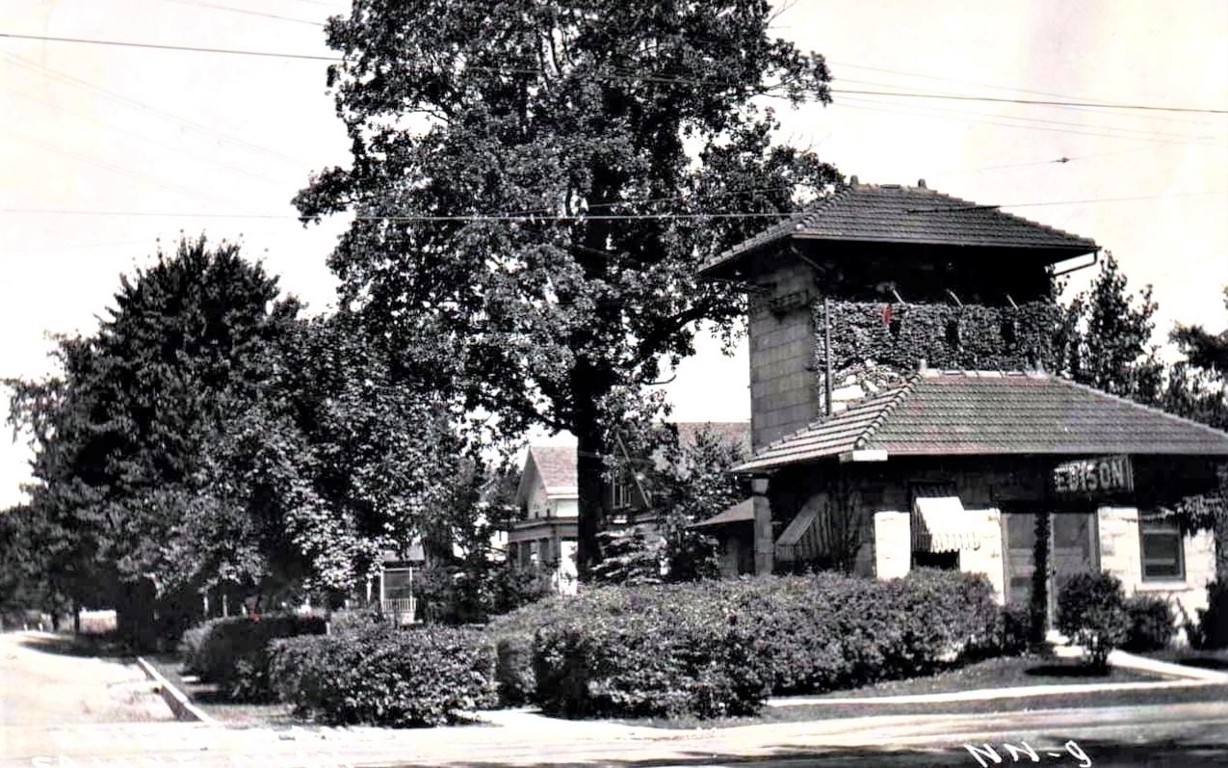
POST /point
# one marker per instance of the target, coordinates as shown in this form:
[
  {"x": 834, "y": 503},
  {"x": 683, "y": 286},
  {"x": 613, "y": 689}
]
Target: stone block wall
[
  {"x": 1121, "y": 554},
  {"x": 986, "y": 556},
  {"x": 782, "y": 376},
  {"x": 892, "y": 544}
]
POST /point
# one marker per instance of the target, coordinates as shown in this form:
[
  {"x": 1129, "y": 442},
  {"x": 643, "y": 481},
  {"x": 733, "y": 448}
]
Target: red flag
[{"x": 887, "y": 315}]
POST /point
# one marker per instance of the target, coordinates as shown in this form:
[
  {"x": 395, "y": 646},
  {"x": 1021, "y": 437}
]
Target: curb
[{"x": 182, "y": 707}]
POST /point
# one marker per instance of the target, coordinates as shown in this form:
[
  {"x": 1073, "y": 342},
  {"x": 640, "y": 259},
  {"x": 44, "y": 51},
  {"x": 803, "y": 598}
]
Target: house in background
[
  {"x": 548, "y": 497},
  {"x": 549, "y": 500},
  {"x": 901, "y": 416}
]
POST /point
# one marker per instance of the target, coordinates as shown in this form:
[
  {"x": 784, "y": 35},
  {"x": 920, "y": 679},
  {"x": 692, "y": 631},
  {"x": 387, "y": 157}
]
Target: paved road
[{"x": 65, "y": 712}]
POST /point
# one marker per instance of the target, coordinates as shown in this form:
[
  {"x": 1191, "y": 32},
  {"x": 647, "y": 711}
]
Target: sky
[{"x": 109, "y": 152}]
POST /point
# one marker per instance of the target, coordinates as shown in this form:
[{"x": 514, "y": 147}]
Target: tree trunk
[{"x": 590, "y": 479}]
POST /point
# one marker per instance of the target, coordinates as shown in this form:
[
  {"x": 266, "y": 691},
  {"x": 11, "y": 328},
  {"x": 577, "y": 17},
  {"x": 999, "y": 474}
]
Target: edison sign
[{"x": 1090, "y": 477}]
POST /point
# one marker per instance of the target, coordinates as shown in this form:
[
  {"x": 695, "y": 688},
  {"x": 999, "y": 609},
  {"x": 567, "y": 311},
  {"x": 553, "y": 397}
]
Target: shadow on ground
[
  {"x": 1204, "y": 662},
  {"x": 1084, "y": 753},
  {"x": 83, "y": 646},
  {"x": 1085, "y": 671}
]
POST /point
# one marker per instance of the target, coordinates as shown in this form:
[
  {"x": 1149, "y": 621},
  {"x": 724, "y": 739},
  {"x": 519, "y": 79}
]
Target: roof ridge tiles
[
  {"x": 859, "y": 405},
  {"x": 899, "y": 396}
]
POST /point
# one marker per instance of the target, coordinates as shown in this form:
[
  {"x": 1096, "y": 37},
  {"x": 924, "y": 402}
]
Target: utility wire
[
  {"x": 43, "y": 70},
  {"x": 159, "y": 47},
  {"x": 607, "y": 217},
  {"x": 645, "y": 77},
  {"x": 231, "y": 9},
  {"x": 938, "y": 113}
]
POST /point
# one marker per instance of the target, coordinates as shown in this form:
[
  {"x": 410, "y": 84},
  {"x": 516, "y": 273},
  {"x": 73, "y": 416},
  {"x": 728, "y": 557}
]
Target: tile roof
[
  {"x": 900, "y": 214},
  {"x": 742, "y": 512},
  {"x": 557, "y": 463},
  {"x": 557, "y": 466},
  {"x": 960, "y": 413}
]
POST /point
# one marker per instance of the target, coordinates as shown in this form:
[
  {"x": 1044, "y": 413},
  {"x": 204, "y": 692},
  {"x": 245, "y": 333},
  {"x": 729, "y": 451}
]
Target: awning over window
[{"x": 939, "y": 524}]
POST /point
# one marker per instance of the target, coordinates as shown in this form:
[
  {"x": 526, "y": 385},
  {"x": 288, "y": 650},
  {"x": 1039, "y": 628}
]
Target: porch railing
[{"x": 402, "y": 610}]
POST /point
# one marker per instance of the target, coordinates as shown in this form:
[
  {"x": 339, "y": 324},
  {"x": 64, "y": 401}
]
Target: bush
[
  {"x": 379, "y": 675},
  {"x": 355, "y": 618},
  {"x": 1016, "y": 630},
  {"x": 1091, "y": 611},
  {"x": 234, "y": 652},
  {"x": 642, "y": 652},
  {"x": 1151, "y": 624},
  {"x": 1213, "y": 621},
  {"x": 718, "y": 648}
]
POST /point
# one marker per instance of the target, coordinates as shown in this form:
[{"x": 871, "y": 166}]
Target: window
[
  {"x": 621, "y": 492},
  {"x": 1162, "y": 548}
]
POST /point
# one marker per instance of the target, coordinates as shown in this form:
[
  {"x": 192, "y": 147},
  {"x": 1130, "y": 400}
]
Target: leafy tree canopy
[
  {"x": 1108, "y": 337},
  {"x": 536, "y": 183}
]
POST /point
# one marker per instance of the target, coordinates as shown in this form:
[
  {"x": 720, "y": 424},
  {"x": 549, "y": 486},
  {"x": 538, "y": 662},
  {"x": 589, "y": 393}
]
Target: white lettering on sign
[{"x": 1087, "y": 477}]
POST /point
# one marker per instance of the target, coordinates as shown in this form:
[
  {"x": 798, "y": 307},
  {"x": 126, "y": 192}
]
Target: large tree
[
  {"x": 535, "y": 184},
  {"x": 342, "y": 458},
  {"x": 121, "y": 432}
]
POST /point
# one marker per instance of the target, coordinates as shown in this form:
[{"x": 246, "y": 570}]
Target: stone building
[{"x": 901, "y": 416}]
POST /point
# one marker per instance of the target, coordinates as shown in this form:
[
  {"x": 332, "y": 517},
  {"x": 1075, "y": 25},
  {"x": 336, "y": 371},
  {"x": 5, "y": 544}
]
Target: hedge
[
  {"x": 234, "y": 652},
  {"x": 719, "y": 648},
  {"x": 381, "y": 675}
]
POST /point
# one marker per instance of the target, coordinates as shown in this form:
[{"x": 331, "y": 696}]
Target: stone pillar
[
  {"x": 986, "y": 556},
  {"x": 765, "y": 541},
  {"x": 892, "y": 544},
  {"x": 1120, "y": 547}
]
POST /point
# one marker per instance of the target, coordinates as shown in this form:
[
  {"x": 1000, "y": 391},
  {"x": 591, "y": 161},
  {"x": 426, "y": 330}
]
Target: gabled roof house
[{"x": 548, "y": 498}]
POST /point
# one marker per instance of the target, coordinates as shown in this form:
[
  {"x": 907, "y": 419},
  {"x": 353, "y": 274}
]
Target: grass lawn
[
  {"x": 212, "y": 703},
  {"x": 1006, "y": 672},
  {"x": 1009, "y": 672}
]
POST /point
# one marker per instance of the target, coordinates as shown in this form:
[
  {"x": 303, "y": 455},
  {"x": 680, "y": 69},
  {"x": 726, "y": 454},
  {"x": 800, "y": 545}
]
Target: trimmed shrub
[
  {"x": 1213, "y": 621},
  {"x": 1091, "y": 611},
  {"x": 514, "y": 637},
  {"x": 355, "y": 618},
  {"x": 1151, "y": 624},
  {"x": 718, "y": 648},
  {"x": 234, "y": 652},
  {"x": 1016, "y": 630},
  {"x": 514, "y": 670},
  {"x": 642, "y": 652},
  {"x": 379, "y": 675}
]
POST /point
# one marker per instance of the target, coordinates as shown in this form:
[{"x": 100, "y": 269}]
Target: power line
[
  {"x": 517, "y": 218},
  {"x": 992, "y": 86},
  {"x": 198, "y": 156},
  {"x": 231, "y": 9},
  {"x": 645, "y": 77},
  {"x": 160, "y": 47},
  {"x": 68, "y": 79},
  {"x": 1076, "y": 124},
  {"x": 1033, "y": 102},
  {"x": 1023, "y": 123}
]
